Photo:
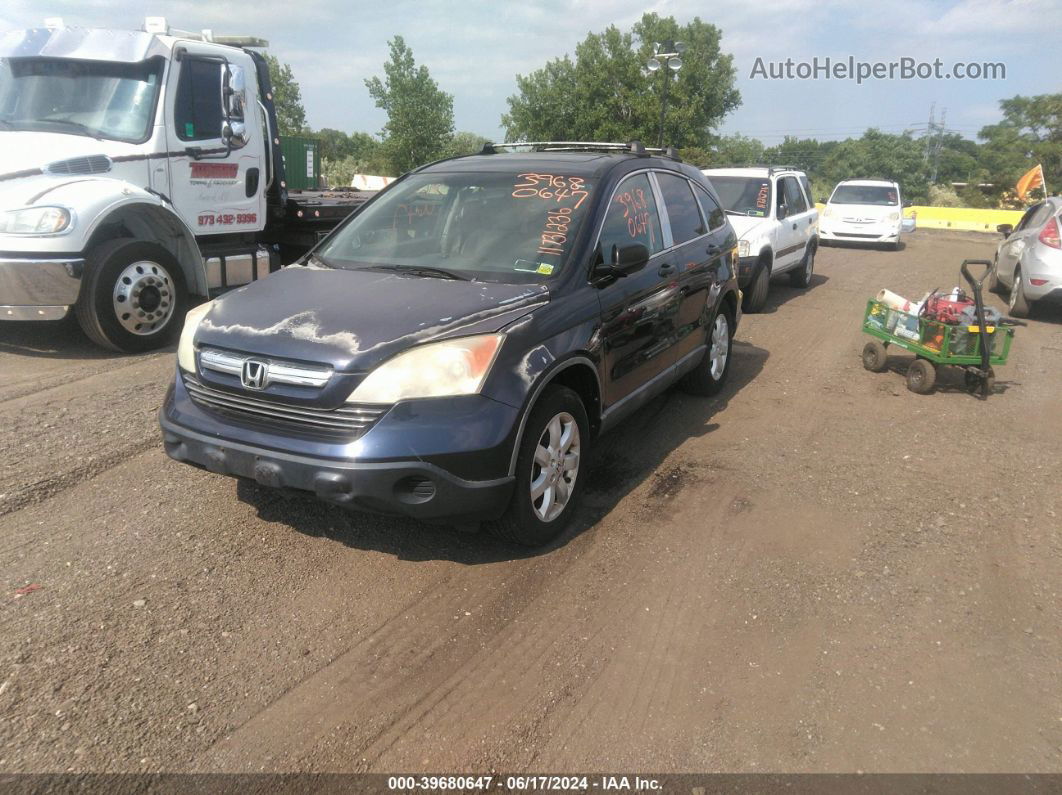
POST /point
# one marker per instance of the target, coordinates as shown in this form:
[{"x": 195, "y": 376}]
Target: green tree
[
  {"x": 1030, "y": 133},
  {"x": 420, "y": 116},
  {"x": 736, "y": 150},
  {"x": 291, "y": 116},
  {"x": 465, "y": 143},
  {"x": 878, "y": 155},
  {"x": 606, "y": 94}
]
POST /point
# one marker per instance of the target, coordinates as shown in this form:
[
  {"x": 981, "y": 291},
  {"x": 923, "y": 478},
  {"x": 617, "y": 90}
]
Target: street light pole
[{"x": 667, "y": 59}]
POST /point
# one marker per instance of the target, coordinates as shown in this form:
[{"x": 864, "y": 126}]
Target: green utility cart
[{"x": 977, "y": 349}]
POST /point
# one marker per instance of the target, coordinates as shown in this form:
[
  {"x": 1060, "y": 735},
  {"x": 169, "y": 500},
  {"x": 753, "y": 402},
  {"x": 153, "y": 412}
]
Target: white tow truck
[{"x": 139, "y": 169}]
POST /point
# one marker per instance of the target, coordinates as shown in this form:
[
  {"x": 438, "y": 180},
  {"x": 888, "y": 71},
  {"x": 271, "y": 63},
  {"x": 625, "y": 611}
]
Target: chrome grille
[
  {"x": 347, "y": 422},
  {"x": 277, "y": 372}
]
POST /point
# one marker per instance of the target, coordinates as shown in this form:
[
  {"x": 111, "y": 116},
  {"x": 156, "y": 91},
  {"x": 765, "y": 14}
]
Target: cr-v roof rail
[{"x": 632, "y": 147}]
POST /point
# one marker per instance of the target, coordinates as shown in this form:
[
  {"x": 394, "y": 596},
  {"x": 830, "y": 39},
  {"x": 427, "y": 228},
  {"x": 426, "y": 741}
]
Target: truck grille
[
  {"x": 346, "y": 423},
  {"x": 90, "y": 164}
]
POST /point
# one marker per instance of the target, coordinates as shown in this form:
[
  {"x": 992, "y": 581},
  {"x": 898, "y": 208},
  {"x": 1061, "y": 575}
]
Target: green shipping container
[{"x": 302, "y": 162}]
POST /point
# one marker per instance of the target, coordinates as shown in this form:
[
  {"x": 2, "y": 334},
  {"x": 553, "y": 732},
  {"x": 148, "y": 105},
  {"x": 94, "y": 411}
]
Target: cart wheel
[
  {"x": 921, "y": 376},
  {"x": 875, "y": 357},
  {"x": 975, "y": 383},
  {"x": 988, "y": 386}
]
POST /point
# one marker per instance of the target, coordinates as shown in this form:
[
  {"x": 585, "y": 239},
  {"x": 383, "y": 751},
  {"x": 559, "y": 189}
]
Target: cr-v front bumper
[{"x": 444, "y": 458}]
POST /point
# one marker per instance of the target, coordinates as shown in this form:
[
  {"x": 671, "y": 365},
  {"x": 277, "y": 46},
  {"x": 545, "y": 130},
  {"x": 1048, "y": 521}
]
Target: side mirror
[
  {"x": 907, "y": 204},
  {"x": 1005, "y": 229},
  {"x": 824, "y": 199},
  {"x": 234, "y": 133},
  {"x": 631, "y": 259},
  {"x": 626, "y": 260},
  {"x": 234, "y": 92},
  {"x": 783, "y": 211}
]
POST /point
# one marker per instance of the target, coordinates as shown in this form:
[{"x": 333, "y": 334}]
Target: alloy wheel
[{"x": 555, "y": 467}]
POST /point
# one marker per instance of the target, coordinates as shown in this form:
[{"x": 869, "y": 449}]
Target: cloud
[{"x": 476, "y": 48}]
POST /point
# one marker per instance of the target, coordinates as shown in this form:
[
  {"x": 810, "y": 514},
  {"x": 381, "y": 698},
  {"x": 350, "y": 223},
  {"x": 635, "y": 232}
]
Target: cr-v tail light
[{"x": 1049, "y": 234}]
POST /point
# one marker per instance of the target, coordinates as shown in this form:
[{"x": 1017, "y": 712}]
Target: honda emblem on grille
[{"x": 255, "y": 374}]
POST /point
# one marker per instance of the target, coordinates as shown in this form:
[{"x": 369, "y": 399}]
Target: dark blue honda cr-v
[{"x": 451, "y": 350}]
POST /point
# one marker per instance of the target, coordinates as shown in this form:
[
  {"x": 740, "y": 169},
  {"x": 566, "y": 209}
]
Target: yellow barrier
[{"x": 964, "y": 219}]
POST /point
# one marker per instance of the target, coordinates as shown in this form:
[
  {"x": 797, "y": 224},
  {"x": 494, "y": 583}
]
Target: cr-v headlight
[
  {"x": 35, "y": 221},
  {"x": 185, "y": 349},
  {"x": 894, "y": 217},
  {"x": 437, "y": 369}
]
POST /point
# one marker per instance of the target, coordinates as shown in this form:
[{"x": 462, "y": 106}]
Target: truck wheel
[
  {"x": 801, "y": 277},
  {"x": 548, "y": 470},
  {"x": 710, "y": 375},
  {"x": 133, "y": 296},
  {"x": 1019, "y": 304},
  {"x": 921, "y": 376},
  {"x": 875, "y": 357},
  {"x": 756, "y": 297}
]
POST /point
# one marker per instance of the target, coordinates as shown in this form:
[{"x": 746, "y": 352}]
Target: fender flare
[
  {"x": 543, "y": 381},
  {"x": 144, "y": 214}
]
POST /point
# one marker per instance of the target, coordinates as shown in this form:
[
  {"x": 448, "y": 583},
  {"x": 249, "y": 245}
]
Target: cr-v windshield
[
  {"x": 744, "y": 195},
  {"x": 95, "y": 98},
  {"x": 864, "y": 194},
  {"x": 493, "y": 226}
]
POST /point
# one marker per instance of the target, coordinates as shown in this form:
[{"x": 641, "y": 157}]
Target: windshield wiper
[
  {"x": 424, "y": 270},
  {"x": 85, "y": 130}
]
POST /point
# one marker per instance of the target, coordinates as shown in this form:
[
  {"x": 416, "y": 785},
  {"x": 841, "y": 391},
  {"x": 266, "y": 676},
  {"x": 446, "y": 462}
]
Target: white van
[{"x": 863, "y": 211}]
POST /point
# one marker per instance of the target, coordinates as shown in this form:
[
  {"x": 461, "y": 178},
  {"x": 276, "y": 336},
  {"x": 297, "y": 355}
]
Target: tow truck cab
[{"x": 139, "y": 169}]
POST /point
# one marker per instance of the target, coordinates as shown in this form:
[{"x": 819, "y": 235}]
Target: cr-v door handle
[{"x": 667, "y": 269}]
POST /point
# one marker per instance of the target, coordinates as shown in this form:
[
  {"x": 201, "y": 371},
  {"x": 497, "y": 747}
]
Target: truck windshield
[
  {"x": 744, "y": 195},
  {"x": 864, "y": 194},
  {"x": 99, "y": 99},
  {"x": 491, "y": 226}
]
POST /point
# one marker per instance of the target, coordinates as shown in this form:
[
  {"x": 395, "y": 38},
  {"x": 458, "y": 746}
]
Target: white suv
[
  {"x": 771, "y": 210},
  {"x": 864, "y": 211}
]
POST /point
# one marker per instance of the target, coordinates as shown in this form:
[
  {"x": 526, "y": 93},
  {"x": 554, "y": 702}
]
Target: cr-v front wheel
[{"x": 549, "y": 469}]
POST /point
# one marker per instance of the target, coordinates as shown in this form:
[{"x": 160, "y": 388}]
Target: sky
[{"x": 474, "y": 49}]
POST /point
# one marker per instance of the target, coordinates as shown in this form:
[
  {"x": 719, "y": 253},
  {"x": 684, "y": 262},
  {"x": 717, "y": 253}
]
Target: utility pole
[
  {"x": 929, "y": 131},
  {"x": 938, "y": 144}
]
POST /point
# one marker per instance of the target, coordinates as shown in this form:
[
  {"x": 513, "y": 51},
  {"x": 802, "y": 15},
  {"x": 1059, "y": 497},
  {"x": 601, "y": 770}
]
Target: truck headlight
[
  {"x": 35, "y": 221},
  {"x": 743, "y": 248},
  {"x": 437, "y": 369},
  {"x": 185, "y": 348}
]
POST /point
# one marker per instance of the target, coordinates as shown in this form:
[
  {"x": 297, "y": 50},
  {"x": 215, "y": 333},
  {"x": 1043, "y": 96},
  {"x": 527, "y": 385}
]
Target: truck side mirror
[
  {"x": 1005, "y": 229},
  {"x": 234, "y": 103},
  {"x": 234, "y": 133},
  {"x": 783, "y": 211}
]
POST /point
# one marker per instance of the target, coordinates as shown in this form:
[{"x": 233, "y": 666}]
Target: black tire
[
  {"x": 895, "y": 246},
  {"x": 975, "y": 384},
  {"x": 994, "y": 284},
  {"x": 875, "y": 357},
  {"x": 759, "y": 286},
  {"x": 801, "y": 277},
  {"x": 104, "y": 268},
  {"x": 921, "y": 376},
  {"x": 1019, "y": 305},
  {"x": 521, "y": 524},
  {"x": 702, "y": 381}
]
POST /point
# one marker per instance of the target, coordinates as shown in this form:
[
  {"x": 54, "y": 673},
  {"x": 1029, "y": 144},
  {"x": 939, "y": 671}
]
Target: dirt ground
[{"x": 816, "y": 571}]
